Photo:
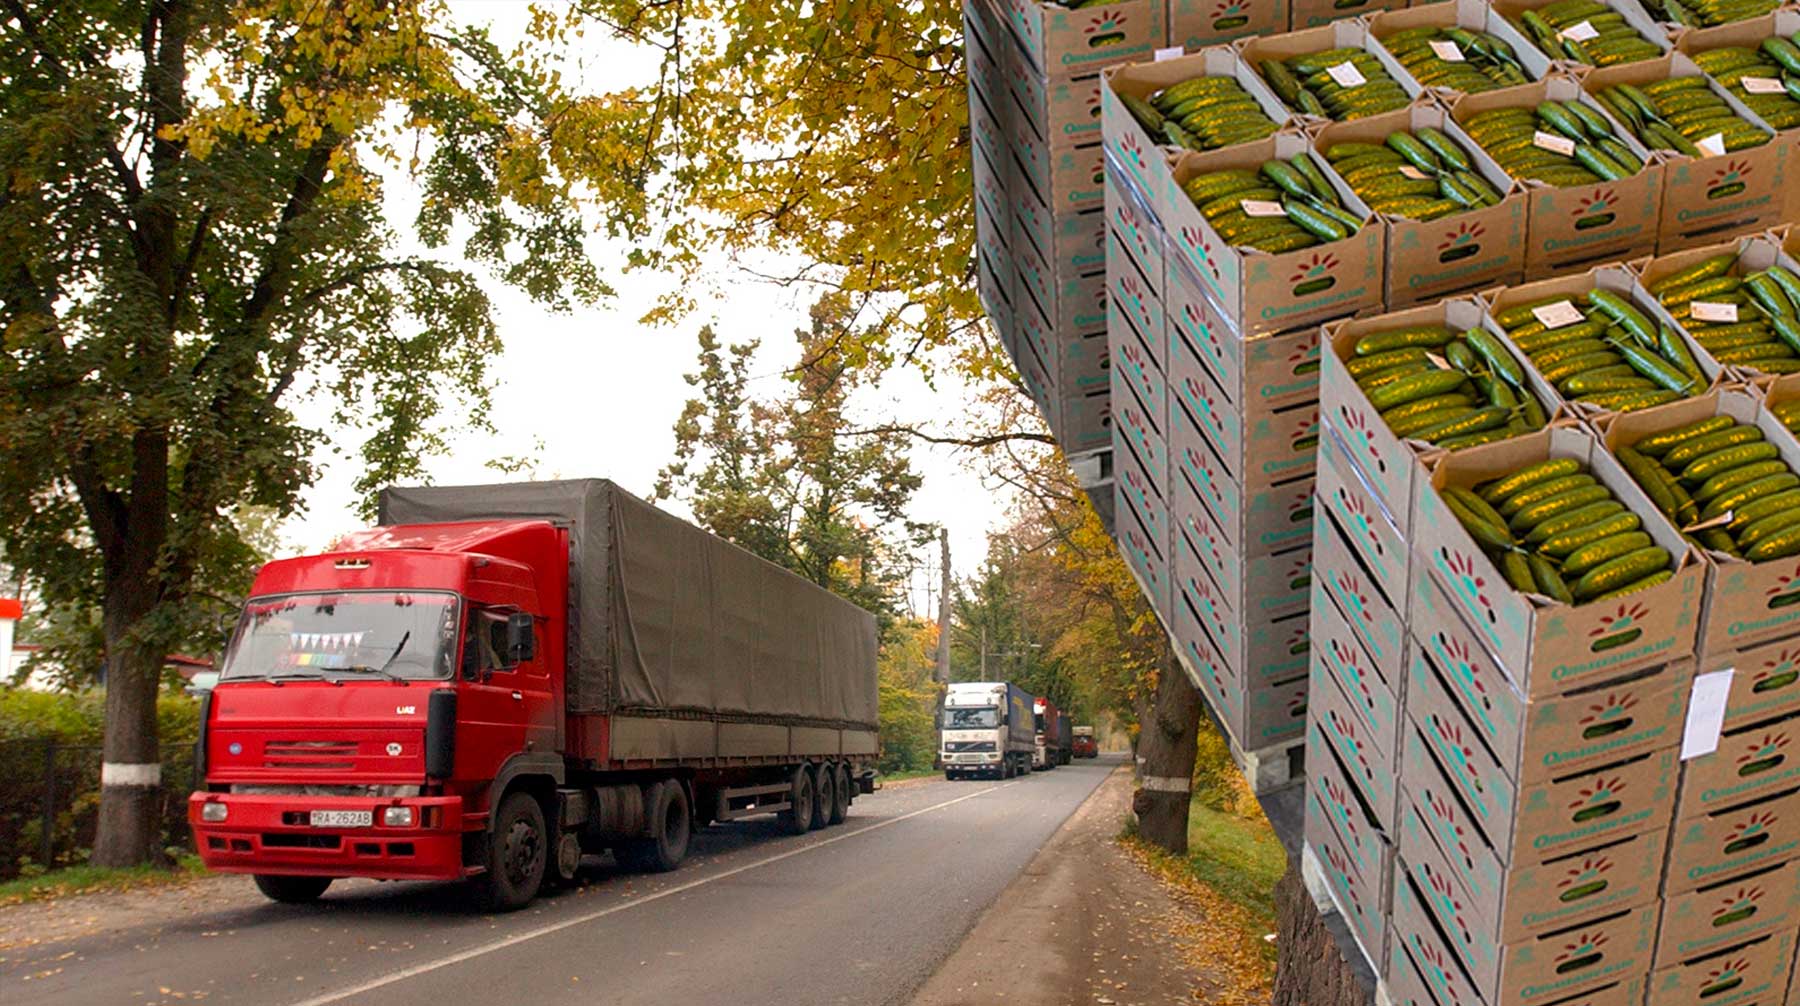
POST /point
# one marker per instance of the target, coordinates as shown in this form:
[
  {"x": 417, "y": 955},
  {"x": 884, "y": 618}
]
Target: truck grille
[
  {"x": 323, "y": 756},
  {"x": 955, "y": 746}
]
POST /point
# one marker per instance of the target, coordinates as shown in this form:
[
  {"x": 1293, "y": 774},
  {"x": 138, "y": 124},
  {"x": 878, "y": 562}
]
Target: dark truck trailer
[{"x": 507, "y": 676}]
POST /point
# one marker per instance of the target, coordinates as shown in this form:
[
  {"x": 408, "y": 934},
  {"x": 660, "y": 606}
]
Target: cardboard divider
[
  {"x": 1257, "y": 292},
  {"x": 1718, "y": 845},
  {"x": 1197, "y": 23},
  {"x": 1706, "y": 199},
  {"x": 1578, "y": 225},
  {"x": 1332, "y": 34},
  {"x": 1709, "y": 919},
  {"x": 1552, "y": 968},
  {"x": 1634, "y": 15},
  {"x": 1459, "y": 253},
  {"x": 1060, "y": 42},
  {"x": 1619, "y": 279},
  {"x": 1142, "y": 161},
  {"x": 1750, "y": 974},
  {"x": 1754, "y": 252},
  {"x": 1545, "y": 647},
  {"x": 1747, "y": 603},
  {"x": 1475, "y": 15}
]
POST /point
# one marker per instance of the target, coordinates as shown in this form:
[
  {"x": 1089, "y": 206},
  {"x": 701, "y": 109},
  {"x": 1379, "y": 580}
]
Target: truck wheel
[
  {"x": 517, "y": 853},
  {"x": 291, "y": 890},
  {"x": 798, "y": 818},
  {"x": 673, "y": 820},
  {"x": 840, "y": 808},
  {"x": 822, "y": 796}
]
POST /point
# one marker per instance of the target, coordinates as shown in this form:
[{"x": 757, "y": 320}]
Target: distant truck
[
  {"x": 1051, "y": 743},
  {"x": 501, "y": 678},
  {"x": 988, "y": 730},
  {"x": 1084, "y": 745}
]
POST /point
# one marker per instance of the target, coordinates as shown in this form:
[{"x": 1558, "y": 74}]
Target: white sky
[{"x": 552, "y": 365}]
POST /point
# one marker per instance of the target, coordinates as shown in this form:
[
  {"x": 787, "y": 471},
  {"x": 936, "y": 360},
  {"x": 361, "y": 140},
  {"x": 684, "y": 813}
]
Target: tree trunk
[
  {"x": 1310, "y": 970},
  {"x": 129, "y": 831},
  {"x": 1166, "y": 745}
]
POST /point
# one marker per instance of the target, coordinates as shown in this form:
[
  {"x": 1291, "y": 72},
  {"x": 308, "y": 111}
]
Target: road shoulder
[{"x": 1084, "y": 923}]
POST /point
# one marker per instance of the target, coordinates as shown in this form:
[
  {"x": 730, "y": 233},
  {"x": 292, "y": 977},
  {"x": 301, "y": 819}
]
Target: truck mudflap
[{"x": 274, "y": 834}]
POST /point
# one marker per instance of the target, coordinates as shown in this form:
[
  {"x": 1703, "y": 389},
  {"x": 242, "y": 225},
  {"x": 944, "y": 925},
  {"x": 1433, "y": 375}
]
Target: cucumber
[
  {"x": 1542, "y": 471},
  {"x": 1425, "y": 337},
  {"x": 1559, "y": 545},
  {"x": 1697, "y": 447},
  {"x": 1436, "y": 382},
  {"x": 1574, "y": 520},
  {"x": 1530, "y": 517},
  {"x": 1549, "y": 583},
  {"x": 1656, "y": 444},
  {"x": 1629, "y": 568},
  {"x": 1541, "y": 491},
  {"x": 1740, "y": 476},
  {"x": 1730, "y": 500},
  {"x": 1708, "y": 465},
  {"x": 1605, "y": 550},
  {"x": 1779, "y": 545},
  {"x": 1517, "y": 572}
]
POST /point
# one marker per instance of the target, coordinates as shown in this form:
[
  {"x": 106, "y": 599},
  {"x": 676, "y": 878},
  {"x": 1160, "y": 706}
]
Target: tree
[
  {"x": 787, "y": 479},
  {"x": 191, "y": 240},
  {"x": 908, "y": 696},
  {"x": 834, "y": 134}
]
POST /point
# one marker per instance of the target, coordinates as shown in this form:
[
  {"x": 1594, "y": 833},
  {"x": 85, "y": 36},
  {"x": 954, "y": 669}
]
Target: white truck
[{"x": 988, "y": 729}]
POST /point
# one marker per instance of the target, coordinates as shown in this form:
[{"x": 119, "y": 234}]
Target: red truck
[
  {"x": 1052, "y": 736},
  {"x": 499, "y": 679}
]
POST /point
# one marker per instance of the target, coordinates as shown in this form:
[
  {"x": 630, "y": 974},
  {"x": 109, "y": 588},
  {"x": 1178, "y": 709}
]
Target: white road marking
[{"x": 514, "y": 940}]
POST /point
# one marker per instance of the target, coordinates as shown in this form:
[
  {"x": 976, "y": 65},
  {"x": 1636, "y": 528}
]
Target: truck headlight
[
  {"x": 214, "y": 812},
  {"x": 397, "y": 817}
]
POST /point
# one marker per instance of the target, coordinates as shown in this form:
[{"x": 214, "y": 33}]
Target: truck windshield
[
  {"x": 980, "y": 718},
  {"x": 376, "y": 633}
]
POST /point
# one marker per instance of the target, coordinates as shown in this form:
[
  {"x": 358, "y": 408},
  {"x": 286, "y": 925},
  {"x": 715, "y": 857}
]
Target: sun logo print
[
  {"x": 1339, "y": 798},
  {"x": 1779, "y": 672},
  {"x": 1598, "y": 203},
  {"x": 1355, "y": 751},
  {"x": 1738, "y": 905},
  {"x": 1584, "y": 878},
  {"x": 1783, "y": 587},
  {"x": 1460, "y": 659},
  {"x": 1763, "y": 753},
  {"x": 1432, "y": 961},
  {"x": 1350, "y": 668},
  {"x": 1757, "y": 824},
  {"x": 1313, "y": 273},
  {"x": 1351, "y": 592},
  {"x": 1450, "y": 826},
  {"x": 1356, "y": 427},
  {"x": 1443, "y": 897},
  {"x": 1457, "y": 748},
  {"x": 1597, "y": 795},
  {"x": 1585, "y": 948},
  {"x": 1230, "y": 14},
  {"x": 1204, "y": 403},
  {"x": 1465, "y": 235},
  {"x": 1203, "y": 248},
  {"x": 1359, "y": 517},
  {"x": 1733, "y": 172},
  {"x": 1469, "y": 584},
  {"x": 1609, "y": 709},
  {"x": 1627, "y": 616}
]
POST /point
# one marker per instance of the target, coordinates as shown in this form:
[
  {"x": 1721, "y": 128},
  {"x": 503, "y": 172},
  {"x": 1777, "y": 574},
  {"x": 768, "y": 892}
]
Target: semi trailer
[
  {"x": 1084, "y": 745},
  {"x": 499, "y": 679},
  {"x": 1051, "y": 743},
  {"x": 988, "y": 730}
]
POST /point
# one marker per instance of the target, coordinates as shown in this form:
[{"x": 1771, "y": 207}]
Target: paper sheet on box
[{"x": 1706, "y": 713}]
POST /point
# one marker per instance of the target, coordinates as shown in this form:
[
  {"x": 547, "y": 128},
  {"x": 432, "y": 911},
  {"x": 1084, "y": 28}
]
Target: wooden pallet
[{"x": 1091, "y": 468}]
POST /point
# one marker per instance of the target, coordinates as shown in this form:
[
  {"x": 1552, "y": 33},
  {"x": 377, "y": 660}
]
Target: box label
[
  {"x": 1708, "y": 311},
  {"x": 1713, "y": 145},
  {"x": 1762, "y": 85},
  {"x": 1446, "y": 50},
  {"x": 1706, "y": 714},
  {"x": 1560, "y": 314},
  {"x": 1346, "y": 75},
  {"x": 1580, "y": 31},
  {"x": 1553, "y": 143}
]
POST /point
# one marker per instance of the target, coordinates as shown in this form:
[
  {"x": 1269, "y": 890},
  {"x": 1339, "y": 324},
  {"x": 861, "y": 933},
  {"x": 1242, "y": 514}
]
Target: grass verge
[
  {"x": 86, "y": 879},
  {"x": 911, "y": 773}
]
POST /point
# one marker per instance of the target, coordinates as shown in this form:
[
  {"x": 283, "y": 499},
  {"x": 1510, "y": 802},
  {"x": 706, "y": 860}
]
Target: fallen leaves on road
[{"x": 1215, "y": 933}]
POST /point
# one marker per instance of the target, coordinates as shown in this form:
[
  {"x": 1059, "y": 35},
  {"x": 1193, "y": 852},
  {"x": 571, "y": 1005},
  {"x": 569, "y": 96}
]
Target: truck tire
[
  {"x": 672, "y": 817},
  {"x": 798, "y": 818},
  {"x": 823, "y": 785},
  {"x": 840, "y": 807},
  {"x": 291, "y": 890},
  {"x": 518, "y": 851}
]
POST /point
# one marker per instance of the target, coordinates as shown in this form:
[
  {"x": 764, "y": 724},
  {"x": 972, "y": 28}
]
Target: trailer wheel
[
  {"x": 517, "y": 854},
  {"x": 673, "y": 819},
  {"x": 291, "y": 890},
  {"x": 840, "y": 807},
  {"x": 798, "y": 818},
  {"x": 822, "y": 798}
]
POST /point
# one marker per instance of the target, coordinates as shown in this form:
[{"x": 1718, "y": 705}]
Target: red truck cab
[{"x": 374, "y": 700}]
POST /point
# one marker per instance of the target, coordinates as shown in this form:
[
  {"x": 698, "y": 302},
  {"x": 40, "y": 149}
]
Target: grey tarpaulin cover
[{"x": 666, "y": 617}]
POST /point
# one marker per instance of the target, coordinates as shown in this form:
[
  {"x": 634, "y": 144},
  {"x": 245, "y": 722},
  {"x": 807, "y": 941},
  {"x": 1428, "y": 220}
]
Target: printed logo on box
[
  {"x": 1351, "y": 746},
  {"x": 1442, "y": 896},
  {"x": 1777, "y": 673},
  {"x": 1784, "y": 593},
  {"x": 1355, "y": 599},
  {"x": 1585, "y": 878},
  {"x": 1135, "y": 369},
  {"x": 1230, "y": 15},
  {"x": 1134, "y": 297},
  {"x": 1594, "y": 209},
  {"x": 1600, "y": 795},
  {"x": 1202, "y": 252},
  {"x": 1129, "y": 223},
  {"x": 1725, "y": 975},
  {"x": 1341, "y": 869},
  {"x": 1338, "y": 799},
  {"x": 1205, "y": 476},
  {"x": 1209, "y": 544},
  {"x": 1460, "y": 755},
  {"x": 1139, "y": 549},
  {"x": 1608, "y": 710},
  {"x": 1359, "y": 520},
  {"x": 1199, "y": 326},
  {"x": 1729, "y": 180},
  {"x": 1132, "y": 150},
  {"x": 1737, "y": 906},
  {"x": 1102, "y": 31},
  {"x": 1356, "y": 427},
  {"x": 1457, "y": 658},
  {"x": 1436, "y": 967},
  {"x": 1203, "y": 402},
  {"x": 1450, "y": 830},
  {"x": 1345, "y": 658},
  {"x": 1209, "y": 608},
  {"x": 1314, "y": 274},
  {"x": 1618, "y": 628},
  {"x": 1582, "y": 951},
  {"x": 1212, "y": 675},
  {"x": 1459, "y": 243}
]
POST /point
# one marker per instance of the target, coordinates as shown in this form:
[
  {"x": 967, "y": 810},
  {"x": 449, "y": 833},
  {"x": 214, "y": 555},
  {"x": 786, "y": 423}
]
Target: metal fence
[{"x": 50, "y": 802}]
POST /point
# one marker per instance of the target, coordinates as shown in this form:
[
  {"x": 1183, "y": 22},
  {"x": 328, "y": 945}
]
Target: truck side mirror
[{"x": 521, "y": 639}]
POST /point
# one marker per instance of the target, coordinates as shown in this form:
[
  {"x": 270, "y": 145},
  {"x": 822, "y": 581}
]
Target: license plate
[{"x": 343, "y": 818}]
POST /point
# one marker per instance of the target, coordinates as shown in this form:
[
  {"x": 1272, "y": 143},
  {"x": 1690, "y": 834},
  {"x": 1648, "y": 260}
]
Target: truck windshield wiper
[{"x": 383, "y": 669}]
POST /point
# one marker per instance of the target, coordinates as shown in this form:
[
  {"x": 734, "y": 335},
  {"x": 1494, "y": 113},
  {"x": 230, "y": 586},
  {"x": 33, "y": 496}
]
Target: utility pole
[
  {"x": 943, "y": 647},
  {"x": 984, "y": 676}
]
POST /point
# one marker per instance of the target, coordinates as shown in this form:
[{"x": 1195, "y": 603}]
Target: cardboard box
[
  {"x": 1753, "y": 974},
  {"x": 1392, "y": 465},
  {"x": 1257, "y": 445},
  {"x": 1545, "y": 647},
  {"x": 1138, "y": 158},
  {"x": 1335, "y": 31},
  {"x": 1765, "y": 681},
  {"x": 1458, "y": 253},
  {"x": 1256, "y": 709},
  {"x": 1354, "y": 898},
  {"x": 1708, "y": 919},
  {"x": 1219, "y": 683},
  {"x": 1081, "y": 421},
  {"x": 1475, "y": 15},
  {"x": 1749, "y": 763},
  {"x": 1510, "y": 10},
  {"x": 1373, "y": 699},
  {"x": 1261, "y": 648},
  {"x": 1062, "y": 180},
  {"x": 1747, "y": 603},
  {"x": 1138, "y": 431},
  {"x": 1720, "y": 845},
  {"x": 1061, "y": 112},
  {"x": 1133, "y": 228},
  {"x": 1257, "y": 292},
  {"x": 1551, "y": 968},
  {"x": 1273, "y": 370},
  {"x": 1373, "y": 536},
  {"x": 1331, "y": 796},
  {"x": 1134, "y": 485},
  {"x": 1369, "y": 764},
  {"x": 1378, "y": 626},
  {"x": 1755, "y": 253},
  {"x": 1313, "y": 13},
  {"x": 1142, "y": 553},
  {"x": 1575, "y": 226},
  {"x": 1268, "y": 585},
  {"x": 1075, "y": 362},
  {"x": 1136, "y": 308},
  {"x": 1406, "y": 986},
  {"x": 1197, "y": 23},
  {"x": 1750, "y": 34},
  {"x": 1069, "y": 305},
  {"x": 1067, "y": 245},
  {"x": 1060, "y": 42},
  {"x": 1137, "y": 369},
  {"x": 1562, "y": 814},
  {"x": 1499, "y": 904},
  {"x": 1256, "y": 521},
  {"x": 1707, "y": 198}
]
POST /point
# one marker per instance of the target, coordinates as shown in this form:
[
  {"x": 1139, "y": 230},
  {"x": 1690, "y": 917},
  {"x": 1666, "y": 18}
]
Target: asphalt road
[{"x": 862, "y": 913}]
